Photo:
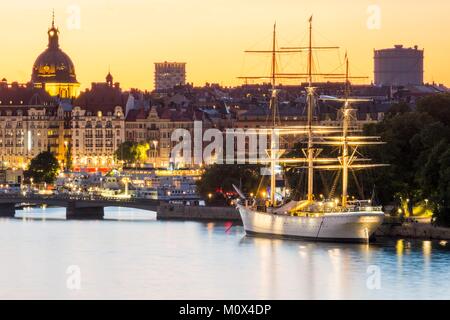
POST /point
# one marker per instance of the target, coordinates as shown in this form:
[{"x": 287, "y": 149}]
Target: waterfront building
[
  {"x": 169, "y": 74},
  {"x": 97, "y": 126},
  {"x": 398, "y": 66},
  {"x": 30, "y": 122},
  {"x": 155, "y": 126},
  {"x": 53, "y": 69}
]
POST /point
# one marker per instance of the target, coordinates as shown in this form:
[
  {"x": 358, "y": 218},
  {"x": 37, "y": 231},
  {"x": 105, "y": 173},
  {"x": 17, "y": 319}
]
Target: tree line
[{"x": 418, "y": 151}]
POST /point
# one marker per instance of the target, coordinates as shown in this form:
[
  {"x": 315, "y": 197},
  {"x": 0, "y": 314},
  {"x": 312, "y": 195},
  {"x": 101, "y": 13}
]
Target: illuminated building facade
[
  {"x": 30, "y": 123},
  {"x": 54, "y": 71},
  {"x": 155, "y": 126},
  {"x": 97, "y": 126}
]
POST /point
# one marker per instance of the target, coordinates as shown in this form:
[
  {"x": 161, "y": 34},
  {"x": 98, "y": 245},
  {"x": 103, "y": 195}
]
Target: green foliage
[
  {"x": 223, "y": 176},
  {"x": 437, "y": 106},
  {"x": 43, "y": 168},
  {"x": 132, "y": 152},
  {"x": 401, "y": 152},
  {"x": 418, "y": 151},
  {"x": 442, "y": 214},
  {"x": 398, "y": 108}
]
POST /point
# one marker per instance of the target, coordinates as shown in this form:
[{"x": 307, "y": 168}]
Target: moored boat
[{"x": 335, "y": 220}]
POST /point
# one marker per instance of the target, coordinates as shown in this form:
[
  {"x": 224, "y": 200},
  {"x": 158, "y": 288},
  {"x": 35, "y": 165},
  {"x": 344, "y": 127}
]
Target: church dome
[{"x": 53, "y": 65}]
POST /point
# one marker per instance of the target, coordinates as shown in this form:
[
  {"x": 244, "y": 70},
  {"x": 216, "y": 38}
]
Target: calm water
[{"x": 141, "y": 258}]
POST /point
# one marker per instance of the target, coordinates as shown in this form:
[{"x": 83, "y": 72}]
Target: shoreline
[
  {"x": 391, "y": 228},
  {"x": 413, "y": 231}
]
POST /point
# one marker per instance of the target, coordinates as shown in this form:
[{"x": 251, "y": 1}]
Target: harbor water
[{"x": 131, "y": 255}]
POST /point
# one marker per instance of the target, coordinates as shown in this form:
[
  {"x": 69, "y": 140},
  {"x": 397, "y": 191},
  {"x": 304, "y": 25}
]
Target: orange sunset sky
[{"x": 211, "y": 35}]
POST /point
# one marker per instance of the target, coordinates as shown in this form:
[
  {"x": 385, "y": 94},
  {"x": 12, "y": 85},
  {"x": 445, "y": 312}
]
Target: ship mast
[
  {"x": 349, "y": 143},
  {"x": 310, "y": 101},
  {"x": 311, "y": 98},
  {"x": 345, "y": 124},
  {"x": 274, "y": 131},
  {"x": 346, "y": 141},
  {"x": 273, "y": 104}
]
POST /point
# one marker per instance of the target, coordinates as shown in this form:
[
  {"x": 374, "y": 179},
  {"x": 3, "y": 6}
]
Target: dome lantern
[{"x": 53, "y": 38}]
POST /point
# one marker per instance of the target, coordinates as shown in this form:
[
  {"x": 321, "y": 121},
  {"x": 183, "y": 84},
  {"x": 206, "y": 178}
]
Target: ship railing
[{"x": 346, "y": 209}]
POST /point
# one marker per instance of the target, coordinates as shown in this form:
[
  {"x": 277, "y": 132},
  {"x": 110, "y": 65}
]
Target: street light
[
  {"x": 64, "y": 160},
  {"x": 155, "y": 145},
  {"x": 126, "y": 180}
]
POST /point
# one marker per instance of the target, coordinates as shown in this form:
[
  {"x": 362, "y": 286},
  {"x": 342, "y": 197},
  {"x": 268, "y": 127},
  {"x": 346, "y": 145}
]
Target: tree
[
  {"x": 124, "y": 152},
  {"x": 435, "y": 177},
  {"x": 141, "y": 151},
  {"x": 437, "y": 106},
  {"x": 401, "y": 151},
  {"x": 218, "y": 179},
  {"x": 417, "y": 149},
  {"x": 132, "y": 152},
  {"x": 43, "y": 168},
  {"x": 398, "y": 108}
]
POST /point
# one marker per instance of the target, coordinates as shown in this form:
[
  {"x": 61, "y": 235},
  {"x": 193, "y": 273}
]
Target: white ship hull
[{"x": 338, "y": 226}]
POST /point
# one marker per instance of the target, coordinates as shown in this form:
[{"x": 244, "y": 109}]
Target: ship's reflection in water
[{"x": 140, "y": 257}]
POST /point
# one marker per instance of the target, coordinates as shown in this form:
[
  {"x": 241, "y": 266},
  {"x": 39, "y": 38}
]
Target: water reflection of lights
[
  {"x": 335, "y": 275},
  {"x": 302, "y": 251},
  {"x": 399, "y": 247},
  {"x": 443, "y": 243},
  {"x": 335, "y": 255},
  {"x": 228, "y": 226},
  {"x": 426, "y": 247},
  {"x": 267, "y": 251},
  {"x": 210, "y": 228}
]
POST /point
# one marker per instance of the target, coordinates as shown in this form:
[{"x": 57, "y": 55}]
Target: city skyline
[{"x": 128, "y": 39}]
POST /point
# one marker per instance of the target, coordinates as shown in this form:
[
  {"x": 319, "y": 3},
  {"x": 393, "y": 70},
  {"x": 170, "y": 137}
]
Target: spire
[
  {"x": 109, "y": 78},
  {"x": 53, "y": 41}
]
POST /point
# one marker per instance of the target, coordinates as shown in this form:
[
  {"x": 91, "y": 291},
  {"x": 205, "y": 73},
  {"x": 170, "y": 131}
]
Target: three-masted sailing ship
[{"x": 312, "y": 218}]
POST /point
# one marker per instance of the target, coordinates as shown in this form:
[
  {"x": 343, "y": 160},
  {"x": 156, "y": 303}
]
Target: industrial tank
[{"x": 398, "y": 66}]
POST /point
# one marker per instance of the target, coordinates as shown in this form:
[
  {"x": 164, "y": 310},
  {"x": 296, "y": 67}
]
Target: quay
[
  {"x": 167, "y": 211},
  {"x": 425, "y": 231}
]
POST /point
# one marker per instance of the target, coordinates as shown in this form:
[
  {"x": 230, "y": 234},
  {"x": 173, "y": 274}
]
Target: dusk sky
[{"x": 211, "y": 35}]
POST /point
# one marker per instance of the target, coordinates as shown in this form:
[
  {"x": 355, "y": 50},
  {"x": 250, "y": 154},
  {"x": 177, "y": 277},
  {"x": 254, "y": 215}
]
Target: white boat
[
  {"x": 350, "y": 226},
  {"x": 336, "y": 220}
]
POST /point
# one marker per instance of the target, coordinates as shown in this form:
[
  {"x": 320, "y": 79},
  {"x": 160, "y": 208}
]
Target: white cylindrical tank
[{"x": 398, "y": 66}]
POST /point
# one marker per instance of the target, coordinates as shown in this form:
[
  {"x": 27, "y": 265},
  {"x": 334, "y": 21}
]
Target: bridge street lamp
[{"x": 126, "y": 180}]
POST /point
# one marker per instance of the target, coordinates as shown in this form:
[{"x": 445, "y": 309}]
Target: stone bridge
[{"x": 81, "y": 207}]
